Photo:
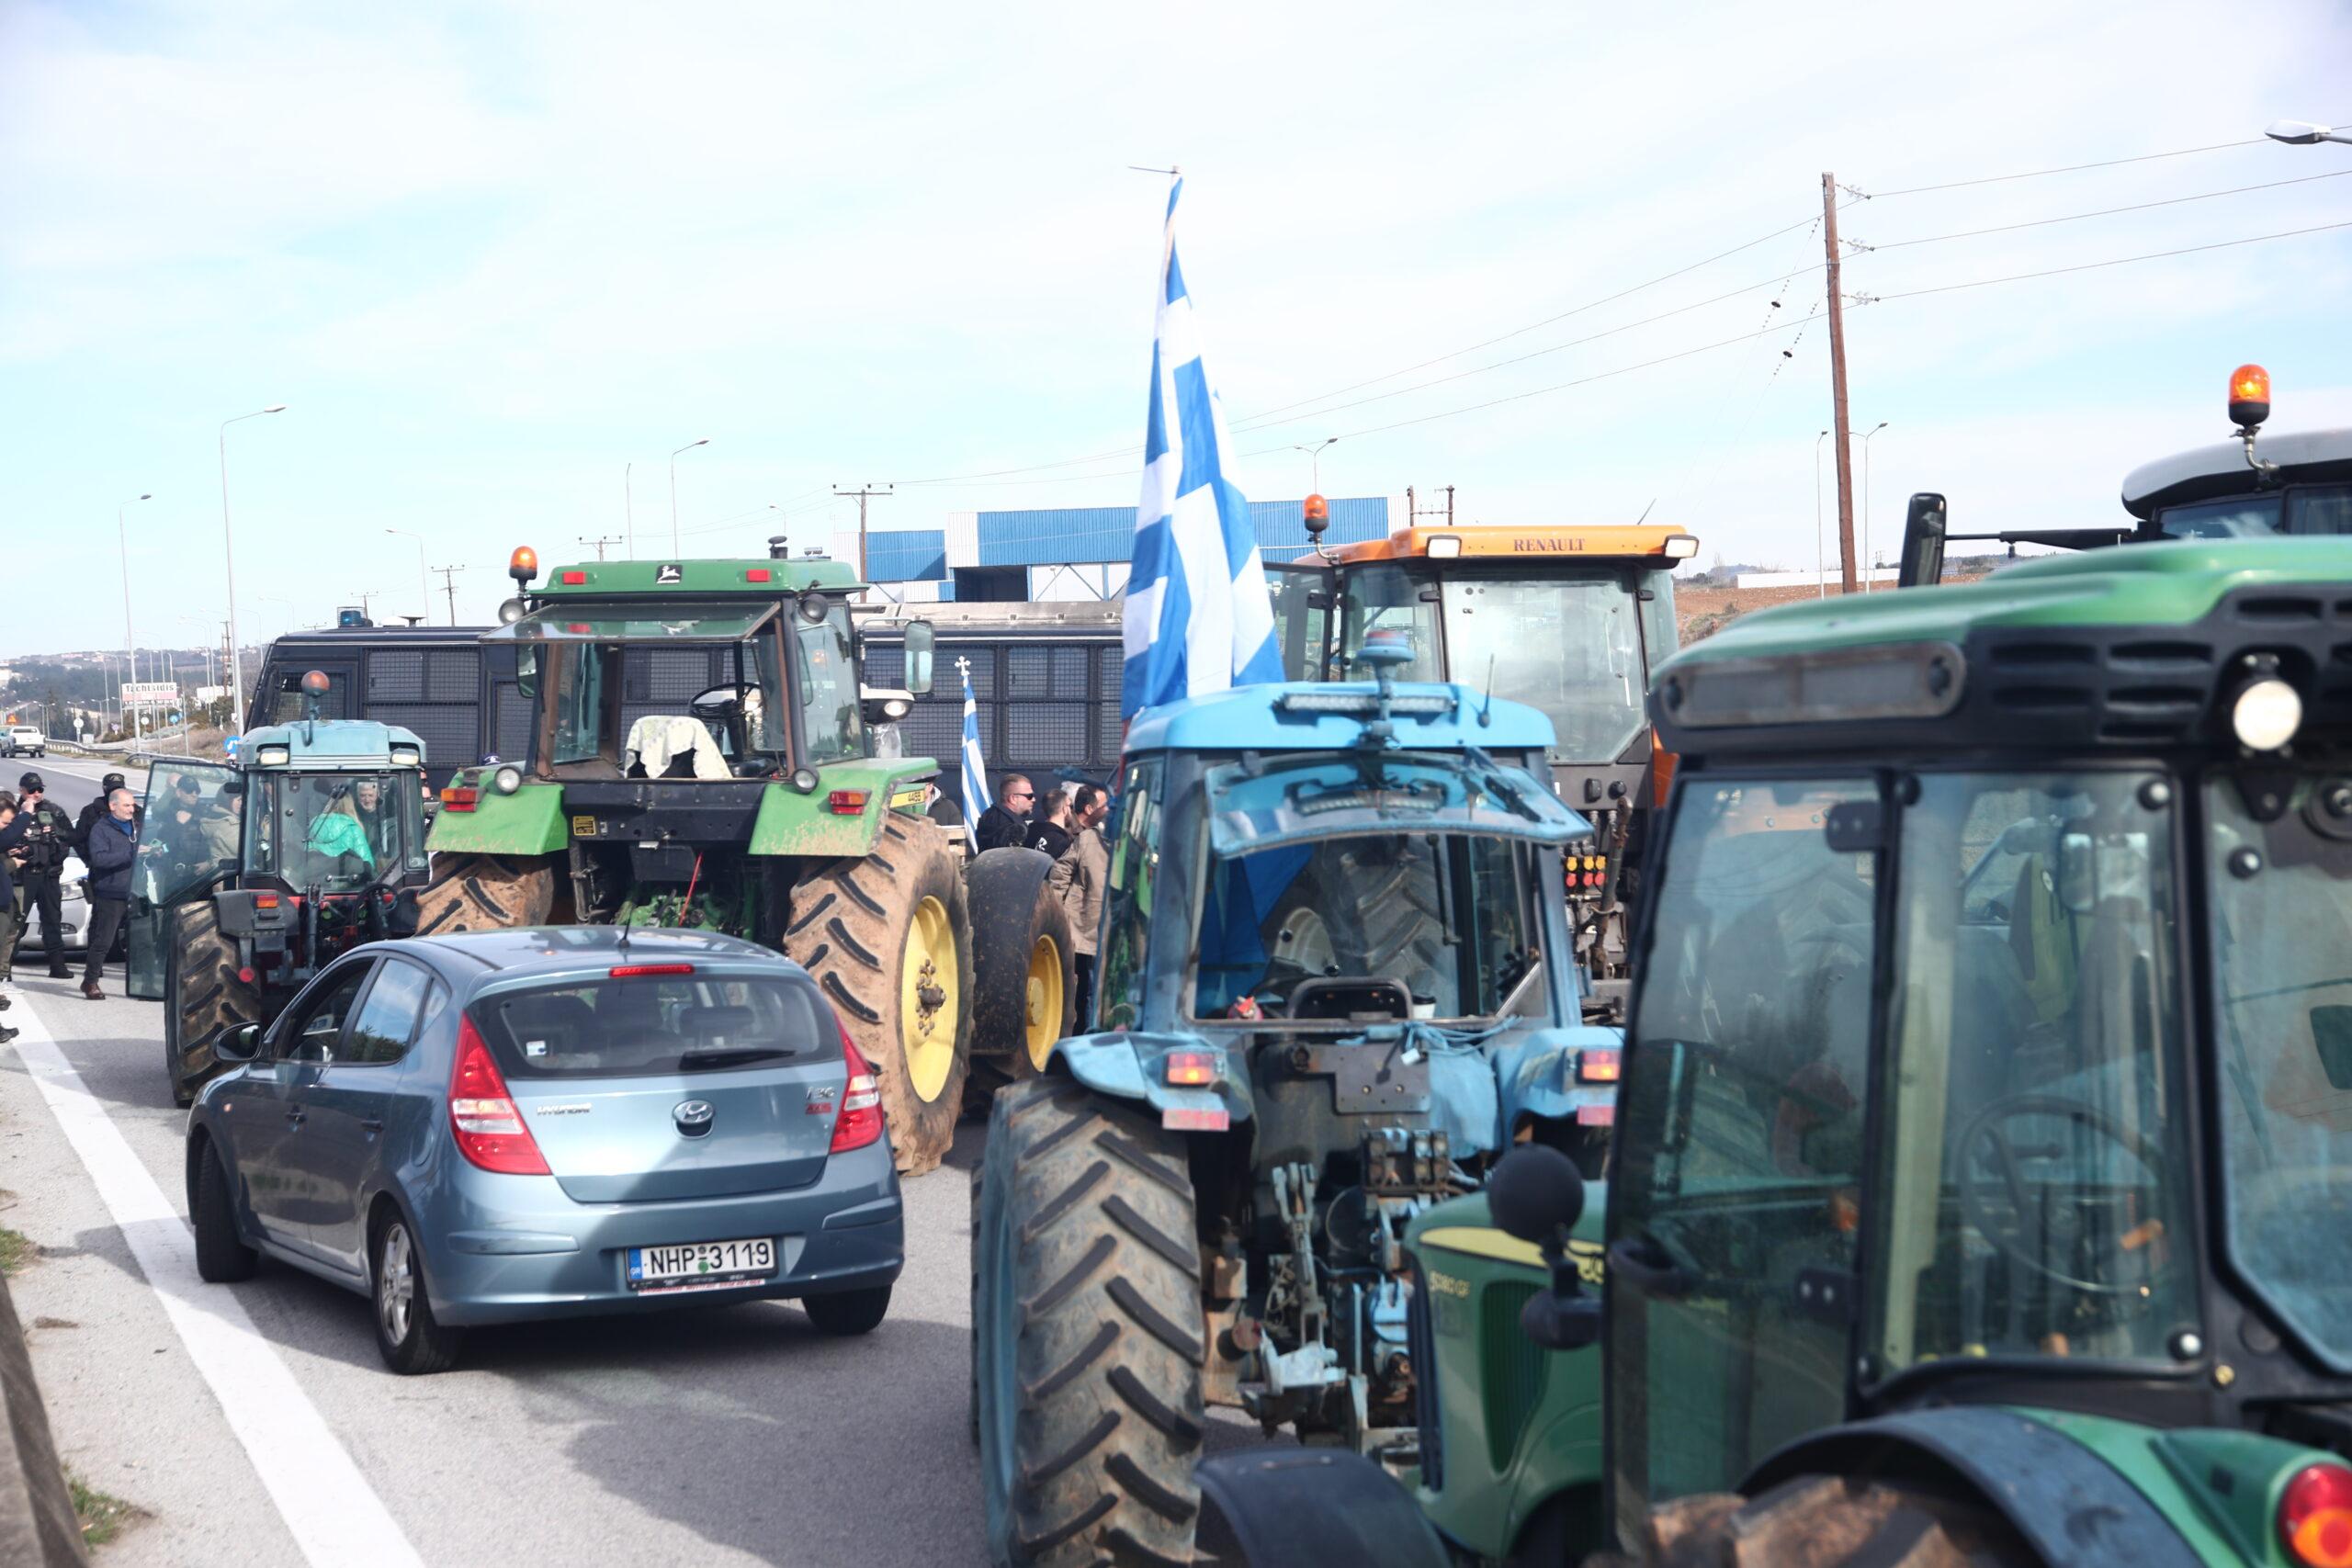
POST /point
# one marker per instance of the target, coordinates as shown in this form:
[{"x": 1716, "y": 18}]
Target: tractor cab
[{"x": 1990, "y": 1063}]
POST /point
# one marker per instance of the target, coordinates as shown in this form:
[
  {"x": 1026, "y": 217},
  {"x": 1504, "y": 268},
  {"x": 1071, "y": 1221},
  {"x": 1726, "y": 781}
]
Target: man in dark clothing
[
  {"x": 1005, "y": 824},
  {"x": 48, "y": 837},
  {"x": 114, "y": 846},
  {"x": 12, "y": 824},
  {"x": 1049, "y": 829},
  {"x": 96, "y": 808}
]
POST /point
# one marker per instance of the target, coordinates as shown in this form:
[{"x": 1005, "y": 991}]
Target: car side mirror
[
  {"x": 922, "y": 641},
  {"x": 238, "y": 1042}
]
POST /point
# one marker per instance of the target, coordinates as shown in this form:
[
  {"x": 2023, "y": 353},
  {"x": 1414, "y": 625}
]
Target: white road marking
[{"x": 334, "y": 1516}]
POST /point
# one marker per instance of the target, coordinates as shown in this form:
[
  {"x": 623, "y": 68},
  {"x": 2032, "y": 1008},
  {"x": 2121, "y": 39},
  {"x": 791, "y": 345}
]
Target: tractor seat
[
  {"x": 1350, "y": 996},
  {"x": 672, "y": 746}
]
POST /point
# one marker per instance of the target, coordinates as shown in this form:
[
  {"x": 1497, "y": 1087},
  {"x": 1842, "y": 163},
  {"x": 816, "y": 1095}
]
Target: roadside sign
[{"x": 149, "y": 694}]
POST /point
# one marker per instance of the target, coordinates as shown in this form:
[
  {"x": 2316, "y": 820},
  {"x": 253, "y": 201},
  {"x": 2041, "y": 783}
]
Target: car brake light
[
  {"x": 459, "y": 798},
  {"x": 2315, "y": 1516},
  {"x": 1596, "y": 1066},
  {"x": 846, "y": 802},
  {"x": 631, "y": 971},
  {"x": 1191, "y": 1068},
  {"x": 861, "y": 1118},
  {"x": 483, "y": 1116}
]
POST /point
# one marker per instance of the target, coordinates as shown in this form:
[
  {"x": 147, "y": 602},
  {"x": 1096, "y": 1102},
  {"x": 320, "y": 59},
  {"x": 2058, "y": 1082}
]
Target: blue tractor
[{"x": 1336, "y": 983}]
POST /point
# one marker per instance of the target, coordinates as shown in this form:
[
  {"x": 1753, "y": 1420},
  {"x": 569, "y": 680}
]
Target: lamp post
[
  {"x": 129, "y": 643},
  {"x": 1867, "y": 565},
  {"x": 229, "y": 553},
  {"x": 629, "y": 515},
  {"x": 2303, "y": 133},
  {"x": 1315, "y": 457},
  {"x": 689, "y": 447},
  {"x": 424, "y": 583},
  {"x": 1820, "y": 547}
]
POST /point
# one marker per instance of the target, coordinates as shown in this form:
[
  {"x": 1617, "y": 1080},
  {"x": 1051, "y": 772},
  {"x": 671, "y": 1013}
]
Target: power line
[
  {"x": 2102, "y": 212},
  {"x": 2116, "y": 261},
  {"x": 2068, "y": 169}
]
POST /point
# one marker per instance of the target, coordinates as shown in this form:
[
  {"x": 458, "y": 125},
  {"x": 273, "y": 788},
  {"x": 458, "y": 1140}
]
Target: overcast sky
[{"x": 491, "y": 255}]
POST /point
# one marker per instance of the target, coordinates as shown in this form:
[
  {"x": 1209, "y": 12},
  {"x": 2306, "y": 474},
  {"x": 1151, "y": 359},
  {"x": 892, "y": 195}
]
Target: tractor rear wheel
[
  {"x": 890, "y": 945},
  {"x": 1086, "y": 1344},
  {"x": 203, "y": 995},
  {"x": 485, "y": 893},
  {"x": 1025, "y": 967},
  {"x": 1832, "y": 1521}
]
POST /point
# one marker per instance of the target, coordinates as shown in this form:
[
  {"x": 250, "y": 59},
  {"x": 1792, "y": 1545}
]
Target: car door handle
[{"x": 371, "y": 1123}]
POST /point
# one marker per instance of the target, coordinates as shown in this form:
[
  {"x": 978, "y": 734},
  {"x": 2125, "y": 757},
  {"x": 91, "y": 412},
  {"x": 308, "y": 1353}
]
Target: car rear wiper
[{"x": 738, "y": 1058}]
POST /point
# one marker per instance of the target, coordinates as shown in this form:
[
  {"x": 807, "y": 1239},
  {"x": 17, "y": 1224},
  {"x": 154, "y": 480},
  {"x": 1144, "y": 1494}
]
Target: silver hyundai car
[{"x": 511, "y": 1125}]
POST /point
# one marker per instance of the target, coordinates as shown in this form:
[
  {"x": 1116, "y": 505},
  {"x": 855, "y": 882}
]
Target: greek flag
[
  {"x": 1198, "y": 618},
  {"x": 975, "y": 768}
]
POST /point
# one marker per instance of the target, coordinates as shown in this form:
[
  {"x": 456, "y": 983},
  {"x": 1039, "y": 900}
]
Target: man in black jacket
[
  {"x": 48, "y": 839},
  {"x": 114, "y": 845},
  {"x": 95, "y": 809},
  {"x": 1005, "y": 824},
  {"x": 1049, "y": 829}
]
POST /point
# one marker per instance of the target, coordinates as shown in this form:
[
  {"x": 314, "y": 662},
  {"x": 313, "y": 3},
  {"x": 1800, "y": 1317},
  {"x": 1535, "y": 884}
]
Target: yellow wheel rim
[
  {"x": 929, "y": 985},
  {"x": 1043, "y": 1025}
]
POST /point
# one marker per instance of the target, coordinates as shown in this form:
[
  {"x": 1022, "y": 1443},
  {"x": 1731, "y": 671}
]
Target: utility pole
[
  {"x": 367, "y": 612},
  {"x": 599, "y": 543},
  {"x": 449, "y": 587},
  {"x": 1837, "y": 386},
  {"x": 862, "y": 492}
]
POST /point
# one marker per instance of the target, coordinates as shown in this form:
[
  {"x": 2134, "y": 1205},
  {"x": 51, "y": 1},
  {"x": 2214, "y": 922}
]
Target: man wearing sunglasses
[{"x": 1005, "y": 824}]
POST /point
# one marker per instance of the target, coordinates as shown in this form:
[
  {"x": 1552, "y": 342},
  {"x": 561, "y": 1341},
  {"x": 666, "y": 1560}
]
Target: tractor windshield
[
  {"x": 2282, "y": 961},
  {"x": 1421, "y": 925},
  {"x": 1570, "y": 644},
  {"x": 336, "y": 832}
]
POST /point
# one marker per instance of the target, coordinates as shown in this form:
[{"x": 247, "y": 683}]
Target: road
[{"x": 717, "y": 1435}]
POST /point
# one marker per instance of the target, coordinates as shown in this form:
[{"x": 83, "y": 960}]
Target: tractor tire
[
  {"x": 202, "y": 995},
  {"x": 485, "y": 893},
  {"x": 1376, "y": 919},
  {"x": 889, "y": 944},
  {"x": 1024, "y": 966},
  {"x": 1087, "y": 1342},
  {"x": 1831, "y": 1521}
]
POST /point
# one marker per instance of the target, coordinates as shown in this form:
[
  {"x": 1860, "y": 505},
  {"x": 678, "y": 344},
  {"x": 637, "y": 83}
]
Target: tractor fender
[
  {"x": 1131, "y": 1065},
  {"x": 2068, "y": 1503},
  {"x": 1536, "y": 1074},
  {"x": 1318, "y": 1505}
]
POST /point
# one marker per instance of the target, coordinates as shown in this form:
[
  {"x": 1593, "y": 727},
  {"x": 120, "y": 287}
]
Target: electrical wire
[
  {"x": 2115, "y": 261},
  {"x": 2068, "y": 169},
  {"x": 2102, "y": 212}
]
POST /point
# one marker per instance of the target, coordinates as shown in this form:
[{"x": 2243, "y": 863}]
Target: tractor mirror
[
  {"x": 1537, "y": 1195},
  {"x": 238, "y": 1042},
  {"x": 526, "y": 673},
  {"x": 1923, "y": 542},
  {"x": 922, "y": 641}
]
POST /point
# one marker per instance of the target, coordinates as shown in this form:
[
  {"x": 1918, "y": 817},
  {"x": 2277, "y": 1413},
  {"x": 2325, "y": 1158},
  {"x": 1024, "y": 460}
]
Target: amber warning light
[
  {"x": 2249, "y": 396},
  {"x": 524, "y": 564}
]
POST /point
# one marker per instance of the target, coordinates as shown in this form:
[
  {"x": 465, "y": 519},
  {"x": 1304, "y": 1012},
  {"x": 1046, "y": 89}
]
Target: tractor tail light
[
  {"x": 861, "y": 1119},
  {"x": 459, "y": 798},
  {"x": 2315, "y": 1516},
  {"x": 847, "y": 802},
  {"x": 482, "y": 1117},
  {"x": 1191, "y": 1068},
  {"x": 1597, "y": 1067},
  {"x": 575, "y": 579}
]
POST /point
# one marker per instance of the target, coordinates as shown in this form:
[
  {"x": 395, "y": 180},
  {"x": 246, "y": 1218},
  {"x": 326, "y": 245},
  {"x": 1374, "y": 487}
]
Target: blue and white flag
[
  {"x": 975, "y": 768},
  {"x": 1198, "y": 617}
]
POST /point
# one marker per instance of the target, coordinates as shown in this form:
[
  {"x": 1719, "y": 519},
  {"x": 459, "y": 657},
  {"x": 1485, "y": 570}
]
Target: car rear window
[{"x": 644, "y": 1026}]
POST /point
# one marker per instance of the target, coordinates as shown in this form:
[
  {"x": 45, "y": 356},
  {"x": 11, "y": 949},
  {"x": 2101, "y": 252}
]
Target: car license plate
[{"x": 700, "y": 1265}]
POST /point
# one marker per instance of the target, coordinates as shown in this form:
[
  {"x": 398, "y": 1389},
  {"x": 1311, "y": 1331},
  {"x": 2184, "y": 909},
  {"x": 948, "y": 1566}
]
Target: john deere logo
[{"x": 668, "y": 572}]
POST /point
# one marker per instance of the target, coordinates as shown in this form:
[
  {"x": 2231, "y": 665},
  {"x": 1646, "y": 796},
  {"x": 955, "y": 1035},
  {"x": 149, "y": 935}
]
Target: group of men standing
[
  {"x": 1069, "y": 827},
  {"x": 35, "y": 839}
]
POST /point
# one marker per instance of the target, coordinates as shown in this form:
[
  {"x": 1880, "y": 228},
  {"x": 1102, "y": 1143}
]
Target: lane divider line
[{"x": 336, "y": 1517}]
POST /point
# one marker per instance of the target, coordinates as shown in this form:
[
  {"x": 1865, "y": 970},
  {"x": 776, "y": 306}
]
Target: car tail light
[
  {"x": 483, "y": 1116},
  {"x": 2315, "y": 1516},
  {"x": 861, "y": 1118},
  {"x": 1597, "y": 1067},
  {"x": 632, "y": 970},
  {"x": 1191, "y": 1068},
  {"x": 459, "y": 798}
]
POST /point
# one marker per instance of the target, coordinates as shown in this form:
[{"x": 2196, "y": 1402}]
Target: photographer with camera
[{"x": 48, "y": 839}]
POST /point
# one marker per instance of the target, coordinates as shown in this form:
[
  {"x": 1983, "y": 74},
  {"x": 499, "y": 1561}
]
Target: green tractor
[
  {"x": 702, "y": 755},
  {"x": 255, "y": 873},
  {"x": 1983, "y": 1161},
  {"x": 1336, "y": 982}
]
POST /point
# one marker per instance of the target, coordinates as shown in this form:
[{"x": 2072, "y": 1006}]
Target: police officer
[{"x": 48, "y": 837}]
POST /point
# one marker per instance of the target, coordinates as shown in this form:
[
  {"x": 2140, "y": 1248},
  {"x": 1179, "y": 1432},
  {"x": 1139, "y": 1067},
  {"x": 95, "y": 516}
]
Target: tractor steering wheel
[
  {"x": 1985, "y": 1131},
  {"x": 720, "y": 701}
]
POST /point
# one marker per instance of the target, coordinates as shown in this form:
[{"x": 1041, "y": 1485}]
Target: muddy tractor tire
[
  {"x": 485, "y": 893},
  {"x": 890, "y": 946},
  {"x": 1830, "y": 1521},
  {"x": 1024, "y": 966},
  {"x": 1086, "y": 1341},
  {"x": 202, "y": 995}
]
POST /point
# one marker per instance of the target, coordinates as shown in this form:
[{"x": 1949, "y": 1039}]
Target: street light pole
[
  {"x": 130, "y": 641},
  {"x": 689, "y": 447},
  {"x": 424, "y": 583},
  {"x": 1820, "y": 547},
  {"x": 1315, "y": 457},
  {"x": 229, "y": 553},
  {"x": 2303, "y": 133},
  {"x": 1867, "y": 565}
]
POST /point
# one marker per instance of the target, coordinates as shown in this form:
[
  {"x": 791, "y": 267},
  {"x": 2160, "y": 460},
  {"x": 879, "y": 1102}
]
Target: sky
[{"x": 500, "y": 260}]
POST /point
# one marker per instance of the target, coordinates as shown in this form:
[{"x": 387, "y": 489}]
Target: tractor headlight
[
  {"x": 805, "y": 780},
  {"x": 897, "y": 708},
  {"x": 407, "y": 757},
  {"x": 510, "y": 611},
  {"x": 273, "y": 756},
  {"x": 2265, "y": 714},
  {"x": 508, "y": 779}
]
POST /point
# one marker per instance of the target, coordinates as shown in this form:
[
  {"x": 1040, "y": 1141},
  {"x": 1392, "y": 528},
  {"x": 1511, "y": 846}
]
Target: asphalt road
[{"x": 711, "y": 1435}]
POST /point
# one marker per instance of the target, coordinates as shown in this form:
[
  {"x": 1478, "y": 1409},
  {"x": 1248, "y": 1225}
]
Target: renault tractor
[
  {"x": 1569, "y": 620},
  {"x": 1982, "y": 1190},
  {"x": 253, "y": 874},
  {"x": 1335, "y": 981}
]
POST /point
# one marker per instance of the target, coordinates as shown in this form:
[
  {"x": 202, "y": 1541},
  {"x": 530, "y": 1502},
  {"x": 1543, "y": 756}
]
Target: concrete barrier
[{"x": 37, "y": 1523}]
